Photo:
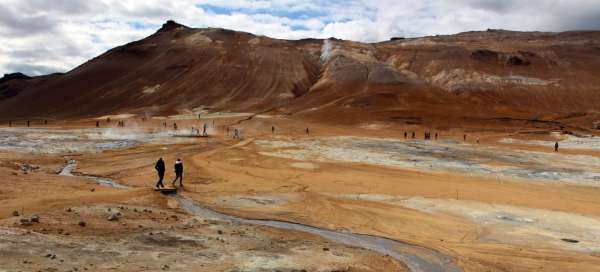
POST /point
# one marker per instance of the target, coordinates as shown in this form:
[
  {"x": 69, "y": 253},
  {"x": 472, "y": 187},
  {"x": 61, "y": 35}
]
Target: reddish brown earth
[{"x": 491, "y": 78}]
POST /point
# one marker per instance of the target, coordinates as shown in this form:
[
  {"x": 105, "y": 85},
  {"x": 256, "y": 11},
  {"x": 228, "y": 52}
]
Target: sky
[{"x": 46, "y": 36}]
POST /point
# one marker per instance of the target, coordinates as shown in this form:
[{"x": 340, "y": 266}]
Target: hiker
[
  {"x": 236, "y": 134},
  {"x": 175, "y": 126},
  {"x": 273, "y": 130},
  {"x": 556, "y": 147},
  {"x": 164, "y": 124},
  {"x": 45, "y": 122},
  {"x": 27, "y": 123},
  {"x": 477, "y": 140},
  {"x": 227, "y": 131},
  {"x": 178, "y": 172},
  {"x": 436, "y": 135},
  {"x": 465, "y": 137},
  {"x": 97, "y": 124},
  {"x": 108, "y": 120},
  {"x": 160, "y": 169},
  {"x": 204, "y": 130},
  {"x": 307, "y": 132},
  {"x": 413, "y": 135},
  {"x": 405, "y": 135}
]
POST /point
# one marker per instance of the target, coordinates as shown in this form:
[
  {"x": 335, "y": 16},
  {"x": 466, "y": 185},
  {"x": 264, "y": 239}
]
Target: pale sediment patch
[
  {"x": 566, "y": 141},
  {"x": 509, "y": 224},
  {"x": 57, "y": 141},
  {"x": 440, "y": 156},
  {"x": 305, "y": 165}
]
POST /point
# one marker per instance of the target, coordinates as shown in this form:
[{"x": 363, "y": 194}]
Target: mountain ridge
[{"x": 487, "y": 74}]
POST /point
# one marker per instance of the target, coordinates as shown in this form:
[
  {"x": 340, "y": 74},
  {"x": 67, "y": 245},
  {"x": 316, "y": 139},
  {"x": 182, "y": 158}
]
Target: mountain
[{"x": 494, "y": 75}]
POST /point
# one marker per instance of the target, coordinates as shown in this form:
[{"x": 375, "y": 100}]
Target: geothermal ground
[{"x": 346, "y": 198}]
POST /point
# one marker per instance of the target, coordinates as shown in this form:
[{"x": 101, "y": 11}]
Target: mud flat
[
  {"x": 565, "y": 141},
  {"x": 415, "y": 257},
  {"x": 509, "y": 224},
  {"x": 58, "y": 141},
  {"x": 440, "y": 156}
]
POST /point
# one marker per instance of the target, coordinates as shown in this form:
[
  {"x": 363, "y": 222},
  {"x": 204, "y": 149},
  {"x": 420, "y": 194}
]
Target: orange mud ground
[{"x": 485, "y": 222}]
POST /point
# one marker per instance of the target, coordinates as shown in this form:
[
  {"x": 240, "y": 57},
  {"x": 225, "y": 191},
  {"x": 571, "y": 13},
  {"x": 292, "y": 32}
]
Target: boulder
[{"x": 113, "y": 217}]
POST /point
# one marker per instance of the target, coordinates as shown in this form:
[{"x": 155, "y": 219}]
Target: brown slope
[
  {"x": 495, "y": 75},
  {"x": 176, "y": 68}
]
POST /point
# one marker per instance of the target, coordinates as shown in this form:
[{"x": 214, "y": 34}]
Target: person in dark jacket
[
  {"x": 556, "y": 147},
  {"x": 160, "y": 169},
  {"x": 178, "y": 172}
]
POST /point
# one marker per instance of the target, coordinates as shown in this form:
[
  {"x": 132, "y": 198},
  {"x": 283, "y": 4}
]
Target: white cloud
[{"x": 41, "y": 36}]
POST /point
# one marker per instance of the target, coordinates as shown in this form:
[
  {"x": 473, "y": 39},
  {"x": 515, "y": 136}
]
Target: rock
[
  {"x": 26, "y": 222},
  {"x": 34, "y": 218},
  {"x": 15, "y": 213},
  {"x": 220, "y": 232},
  {"x": 81, "y": 224},
  {"x": 325, "y": 249},
  {"x": 69, "y": 210},
  {"x": 113, "y": 217},
  {"x": 93, "y": 189}
]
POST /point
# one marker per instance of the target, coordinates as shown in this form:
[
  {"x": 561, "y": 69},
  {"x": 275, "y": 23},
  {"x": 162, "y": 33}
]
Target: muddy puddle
[
  {"x": 444, "y": 156},
  {"x": 57, "y": 141}
]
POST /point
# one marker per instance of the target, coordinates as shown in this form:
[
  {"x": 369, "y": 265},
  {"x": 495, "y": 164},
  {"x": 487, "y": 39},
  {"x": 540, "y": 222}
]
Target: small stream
[
  {"x": 417, "y": 258},
  {"x": 70, "y": 166}
]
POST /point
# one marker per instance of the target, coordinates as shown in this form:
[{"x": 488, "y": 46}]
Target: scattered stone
[
  {"x": 108, "y": 209},
  {"x": 81, "y": 224},
  {"x": 93, "y": 189},
  {"x": 69, "y": 210},
  {"x": 325, "y": 249},
  {"x": 135, "y": 210},
  {"x": 34, "y": 218},
  {"x": 220, "y": 232},
  {"x": 26, "y": 222},
  {"x": 573, "y": 241},
  {"x": 165, "y": 267},
  {"x": 15, "y": 213},
  {"x": 113, "y": 217}
]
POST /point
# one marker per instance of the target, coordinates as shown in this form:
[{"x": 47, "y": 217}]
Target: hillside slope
[{"x": 493, "y": 74}]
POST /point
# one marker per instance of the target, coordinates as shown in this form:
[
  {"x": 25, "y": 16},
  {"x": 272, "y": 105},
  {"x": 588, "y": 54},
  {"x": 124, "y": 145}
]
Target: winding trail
[{"x": 417, "y": 258}]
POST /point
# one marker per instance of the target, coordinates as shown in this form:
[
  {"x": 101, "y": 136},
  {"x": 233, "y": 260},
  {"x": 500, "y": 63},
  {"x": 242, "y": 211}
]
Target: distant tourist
[
  {"x": 178, "y": 172},
  {"x": 556, "y": 147},
  {"x": 160, "y": 169},
  {"x": 307, "y": 132}
]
